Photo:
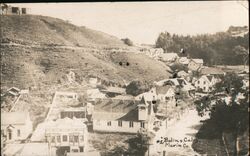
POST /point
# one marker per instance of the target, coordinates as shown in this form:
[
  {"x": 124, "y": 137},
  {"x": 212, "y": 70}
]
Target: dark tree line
[{"x": 215, "y": 49}]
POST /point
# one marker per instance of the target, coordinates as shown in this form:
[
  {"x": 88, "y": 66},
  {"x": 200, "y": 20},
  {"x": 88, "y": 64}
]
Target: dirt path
[{"x": 178, "y": 138}]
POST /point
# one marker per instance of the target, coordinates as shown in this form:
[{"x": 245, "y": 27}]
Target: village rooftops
[{"x": 12, "y": 118}]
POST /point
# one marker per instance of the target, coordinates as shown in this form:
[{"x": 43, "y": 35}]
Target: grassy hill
[
  {"x": 48, "y": 47},
  {"x": 47, "y": 30}
]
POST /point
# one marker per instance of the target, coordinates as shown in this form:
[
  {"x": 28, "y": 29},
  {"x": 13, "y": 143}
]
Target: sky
[{"x": 142, "y": 22}]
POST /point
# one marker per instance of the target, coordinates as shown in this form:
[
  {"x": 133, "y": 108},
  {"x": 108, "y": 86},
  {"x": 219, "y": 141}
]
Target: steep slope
[
  {"x": 47, "y": 30},
  {"x": 48, "y": 48}
]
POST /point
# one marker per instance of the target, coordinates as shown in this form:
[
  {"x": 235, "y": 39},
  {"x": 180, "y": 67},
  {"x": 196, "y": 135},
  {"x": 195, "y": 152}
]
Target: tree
[
  {"x": 120, "y": 149},
  {"x": 164, "y": 41},
  {"x": 231, "y": 115},
  {"x": 127, "y": 41},
  {"x": 138, "y": 145},
  {"x": 137, "y": 87},
  {"x": 179, "y": 67},
  {"x": 244, "y": 53}
]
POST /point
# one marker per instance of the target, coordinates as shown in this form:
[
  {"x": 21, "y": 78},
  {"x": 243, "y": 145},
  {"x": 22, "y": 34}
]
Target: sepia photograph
[{"x": 149, "y": 78}]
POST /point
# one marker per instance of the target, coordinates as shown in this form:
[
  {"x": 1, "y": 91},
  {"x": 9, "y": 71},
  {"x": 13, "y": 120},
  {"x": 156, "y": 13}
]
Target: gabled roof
[
  {"x": 13, "y": 118},
  {"x": 209, "y": 77},
  {"x": 181, "y": 81},
  {"x": 162, "y": 89},
  {"x": 126, "y": 110}
]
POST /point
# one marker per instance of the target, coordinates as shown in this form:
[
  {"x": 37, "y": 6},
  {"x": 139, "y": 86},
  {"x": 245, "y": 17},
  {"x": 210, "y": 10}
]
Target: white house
[
  {"x": 206, "y": 83},
  {"x": 123, "y": 116},
  {"x": 151, "y": 95},
  {"x": 15, "y": 125},
  {"x": 69, "y": 134},
  {"x": 165, "y": 93},
  {"x": 195, "y": 64}
]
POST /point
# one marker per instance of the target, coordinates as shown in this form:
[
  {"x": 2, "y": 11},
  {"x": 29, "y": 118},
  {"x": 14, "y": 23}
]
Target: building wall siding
[{"x": 101, "y": 125}]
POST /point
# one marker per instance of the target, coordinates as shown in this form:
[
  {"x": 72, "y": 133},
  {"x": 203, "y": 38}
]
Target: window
[
  {"x": 65, "y": 138},
  {"x": 142, "y": 124},
  {"x": 204, "y": 82},
  {"x": 75, "y": 150},
  {"x": 76, "y": 138},
  {"x": 131, "y": 124},
  {"x": 10, "y": 134},
  {"x": 58, "y": 138},
  {"x": 198, "y": 82},
  {"x": 120, "y": 123},
  {"x": 71, "y": 138},
  {"x": 109, "y": 123},
  {"x": 81, "y": 149},
  {"x": 204, "y": 88},
  {"x": 53, "y": 139},
  {"x": 18, "y": 133}
]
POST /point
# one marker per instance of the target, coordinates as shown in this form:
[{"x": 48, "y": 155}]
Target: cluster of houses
[
  {"x": 11, "y": 10},
  {"x": 107, "y": 108}
]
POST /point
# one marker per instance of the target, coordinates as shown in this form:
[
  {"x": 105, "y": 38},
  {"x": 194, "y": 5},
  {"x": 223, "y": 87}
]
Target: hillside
[
  {"x": 47, "y": 30},
  {"x": 39, "y": 51},
  {"x": 215, "y": 49}
]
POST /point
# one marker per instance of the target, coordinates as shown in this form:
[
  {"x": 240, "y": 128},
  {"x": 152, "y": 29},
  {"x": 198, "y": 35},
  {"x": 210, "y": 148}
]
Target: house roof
[
  {"x": 116, "y": 105},
  {"x": 126, "y": 110},
  {"x": 199, "y": 61},
  {"x": 182, "y": 72},
  {"x": 67, "y": 123},
  {"x": 162, "y": 89},
  {"x": 181, "y": 81},
  {"x": 209, "y": 77},
  {"x": 12, "y": 118},
  {"x": 183, "y": 60},
  {"x": 168, "y": 56}
]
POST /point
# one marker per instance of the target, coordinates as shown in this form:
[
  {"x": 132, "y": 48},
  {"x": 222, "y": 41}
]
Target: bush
[
  {"x": 137, "y": 87},
  {"x": 127, "y": 41}
]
